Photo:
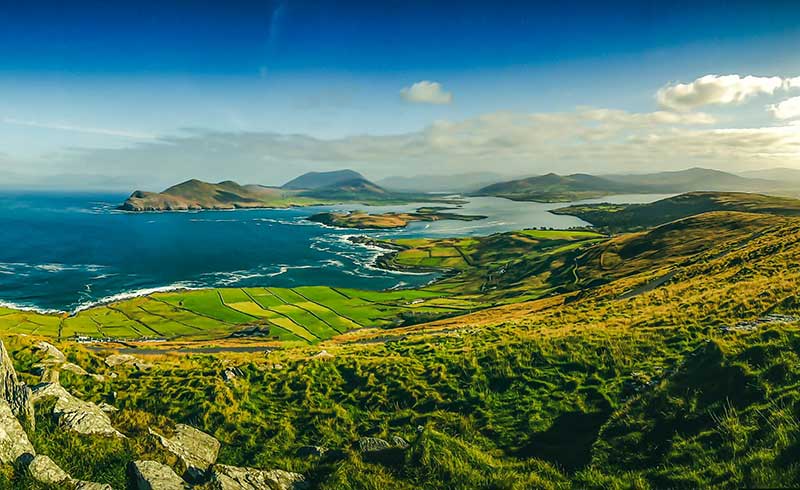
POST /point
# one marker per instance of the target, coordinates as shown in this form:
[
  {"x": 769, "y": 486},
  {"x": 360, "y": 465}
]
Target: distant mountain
[
  {"x": 785, "y": 175},
  {"x": 196, "y": 194},
  {"x": 317, "y": 180},
  {"x": 351, "y": 189},
  {"x": 694, "y": 179},
  {"x": 466, "y": 182},
  {"x": 558, "y": 188}
]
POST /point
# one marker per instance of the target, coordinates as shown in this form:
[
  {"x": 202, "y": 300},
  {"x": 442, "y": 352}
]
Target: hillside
[
  {"x": 783, "y": 175},
  {"x": 316, "y": 180},
  {"x": 679, "y": 371},
  {"x": 558, "y": 188},
  {"x": 195, "y": 194},
  {"x": 695, "y": 179},
  {"x": 629, "y": 217}
]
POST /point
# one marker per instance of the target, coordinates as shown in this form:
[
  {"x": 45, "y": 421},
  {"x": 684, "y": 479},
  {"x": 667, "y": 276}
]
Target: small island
[{"x": 366, "y": 221}]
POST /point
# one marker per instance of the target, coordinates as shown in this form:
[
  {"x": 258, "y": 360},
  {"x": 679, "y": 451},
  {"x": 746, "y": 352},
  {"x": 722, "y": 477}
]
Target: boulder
[
  {"x": 90, "y": 485},
  {"x": 45, "y": 470},
  {"x": 399, "y": 442},
  {"x": 196, "y": 451},
  {"x": 115, "y": 360},
  {"x": 14, "y": 392},
  {"x": 234, "y": 478},
  {"x": 51, "y": 353},
  {"x": 14, "y": 441},
  {"x": 74, "y": 414},
  {"x": 372, "y": 444},
  {"x": 151, "y": 475}
]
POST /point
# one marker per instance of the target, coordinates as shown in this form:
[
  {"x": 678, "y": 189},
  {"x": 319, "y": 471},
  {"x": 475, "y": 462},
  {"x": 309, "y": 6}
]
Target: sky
[{"x": 146, "y": 94}]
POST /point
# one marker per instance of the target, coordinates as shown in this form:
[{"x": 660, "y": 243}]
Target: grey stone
[
  {"x": 151, "y": 475},
  {"x": 234, "y": 478},
  {"x": 45, "y": 470},
  {"x": 196, "y": 450},
  {"x": 14, "y": 441},
  {"x": 398, "y": 441},
  {"x": 74, "y": 414},
  {"x": 14, "y": 392},
  {"x": 371, "y": 444},
  {"x": 90, "y": 485}
]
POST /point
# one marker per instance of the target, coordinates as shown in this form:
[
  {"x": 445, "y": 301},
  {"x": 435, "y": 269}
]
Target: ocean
[{"x": 68, "y": 251}]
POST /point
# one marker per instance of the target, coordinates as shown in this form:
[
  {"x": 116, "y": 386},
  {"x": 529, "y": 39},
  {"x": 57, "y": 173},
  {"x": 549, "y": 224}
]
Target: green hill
[
  {"x": 696, "y": 179},
  {"x": 558, "y": 188},
  {"x": 628, "y": 217},
  {"x": 680, "y": 370},
  {"x": 195, "y": 194},
  {"x": 351, "y": 189}
]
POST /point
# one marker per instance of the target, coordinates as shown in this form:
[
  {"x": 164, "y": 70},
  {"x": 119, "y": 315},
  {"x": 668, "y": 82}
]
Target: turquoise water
[{"x": 68, "y": 251}]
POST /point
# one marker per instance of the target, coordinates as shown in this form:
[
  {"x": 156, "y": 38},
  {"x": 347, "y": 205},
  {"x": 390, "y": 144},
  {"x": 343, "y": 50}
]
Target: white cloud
[
  {"x": 426, "y": 92},
  {"x": 720, "y": 90},
  {"x": 787, "y": 109}
]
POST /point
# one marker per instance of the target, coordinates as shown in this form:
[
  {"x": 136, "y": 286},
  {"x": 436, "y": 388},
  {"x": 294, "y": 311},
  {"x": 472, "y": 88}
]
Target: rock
[
  {"x": 229, "y": 374},
  {"x": 371, "y": 444},
  {"x": 323, "y": 355},
  {"x": 51, "y": 353},
  {"x": 14, "y": 392},
  {"x": 311, "y": 451},
  {"x": 151, "y": 475},
  {"x": 90, "y": 485},
  {"x": 115, "y": 360},
  {"x": 45, "y": 470},
  {"x": 14, "y": 441},
  {"x": 74, "y": 368},
  {"x": 195, "y": 450},
  {"x": 75, "y": 414},
  {"x": 233, "y": 478},
  {"x": 399, "y": 442}
]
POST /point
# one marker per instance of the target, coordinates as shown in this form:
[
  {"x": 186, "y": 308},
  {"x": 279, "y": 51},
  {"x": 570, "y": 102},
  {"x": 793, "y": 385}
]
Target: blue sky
[{"x": 276, "y": 88}]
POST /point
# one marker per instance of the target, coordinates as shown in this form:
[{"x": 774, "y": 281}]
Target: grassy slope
[
  {"x": 558, "y": 188},
  {"x": 616, "y": 218},
  {"x": 595, "y": 389}
]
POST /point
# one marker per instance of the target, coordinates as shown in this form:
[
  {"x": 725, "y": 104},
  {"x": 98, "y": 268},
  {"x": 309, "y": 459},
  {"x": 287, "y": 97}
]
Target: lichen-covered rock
[
  {"x": 75, "y": 414},
  {"x": 45, "y": 470},
  {"x": 14, "y": 441},
  {"x": 51, "y": 353},
  {"x": 14, "y": 392},
  {"x": 370, "y": 444},
  {"x": 196, "y": 450},
  {"x": 90, "y": 485},
  {"x": 225, "y": 477},
  {"x": 399, "y": 442},
  {"x": 115, "y": 360},
  {"x": 151, "y": 475}
]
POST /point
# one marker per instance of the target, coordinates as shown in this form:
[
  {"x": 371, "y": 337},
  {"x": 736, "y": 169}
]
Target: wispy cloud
[{"x": 80, "y": 129}]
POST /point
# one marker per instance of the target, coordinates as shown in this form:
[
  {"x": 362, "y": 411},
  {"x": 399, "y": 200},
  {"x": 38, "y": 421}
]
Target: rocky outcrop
[
  {"x": 45, "y": 470},
  {"x": 311, "y": 451},
  {"x": 234, "y": 478},
  {"x": 14, "y": 441},
  {"x": 14, "y": 392},
  {"x": 54, "y": 361},
  {"x": 115, "y": 360},
  {"x": 90, "y": 485},
  {"x": 74, "y": 414},
  {"x": 196, "y": 451},
  {"x": 371, "y": 444},
  {"x": 151, "y": 475}
]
